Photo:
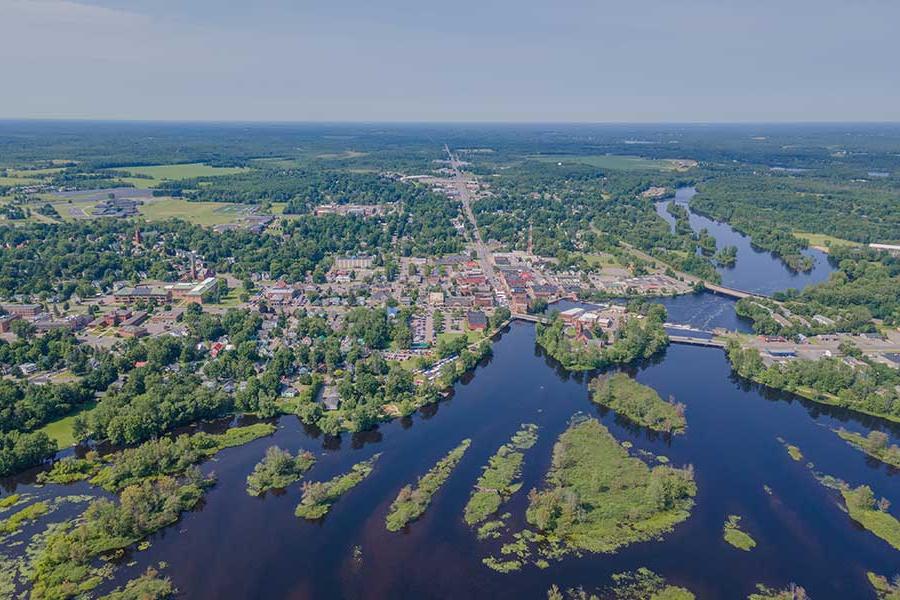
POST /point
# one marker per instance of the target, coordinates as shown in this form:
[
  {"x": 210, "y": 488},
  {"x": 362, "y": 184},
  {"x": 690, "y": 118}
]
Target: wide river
[
  {"x": 755, "y": 270},
  {"x": 236, "y": 546}
]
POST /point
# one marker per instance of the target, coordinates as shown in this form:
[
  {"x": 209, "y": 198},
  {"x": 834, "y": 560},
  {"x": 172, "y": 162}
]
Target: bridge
[
  {"x": 695, "y": 341},
  {"x": 732, "y": 292},
  {"x": 532, "y": 318}
]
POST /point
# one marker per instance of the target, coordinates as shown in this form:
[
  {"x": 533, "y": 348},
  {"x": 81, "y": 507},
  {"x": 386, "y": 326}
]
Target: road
[{"x": 485, "y": 257}]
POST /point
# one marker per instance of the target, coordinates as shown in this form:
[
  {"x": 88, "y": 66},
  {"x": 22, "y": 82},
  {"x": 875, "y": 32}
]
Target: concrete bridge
[
  {"x": 695, "y": 341},
  {"x": 732, "y": 292},
  {"x": 531, "y": 318}
]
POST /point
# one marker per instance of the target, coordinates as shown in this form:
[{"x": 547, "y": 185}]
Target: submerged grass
[
  {"x": 499, "y": 480},
  {"x": 638, "y": 403},
  {"x": 319, "y": 496},
  {"x": 411, "y": 503}
]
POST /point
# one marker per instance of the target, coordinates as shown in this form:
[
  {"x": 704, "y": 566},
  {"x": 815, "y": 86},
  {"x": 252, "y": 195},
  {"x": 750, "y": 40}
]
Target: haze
[{"x": 485, "y": 60}]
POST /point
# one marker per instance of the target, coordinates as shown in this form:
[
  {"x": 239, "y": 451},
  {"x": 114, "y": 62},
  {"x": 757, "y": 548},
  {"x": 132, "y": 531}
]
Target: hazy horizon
[{"x": 486, "y": 61}]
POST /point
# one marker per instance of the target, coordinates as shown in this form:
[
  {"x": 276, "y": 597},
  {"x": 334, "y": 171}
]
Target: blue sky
[{"x": 468, "y": 60}]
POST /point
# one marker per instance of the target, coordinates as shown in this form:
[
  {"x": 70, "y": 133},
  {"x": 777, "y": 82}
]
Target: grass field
[
  {"x": 61, "y": 430},
  {"x": 158, "y": 173},
  {"x": 622, "y": 163},
  {"x": 199, "y": 213},
  {"x": 822, "y": 241}
]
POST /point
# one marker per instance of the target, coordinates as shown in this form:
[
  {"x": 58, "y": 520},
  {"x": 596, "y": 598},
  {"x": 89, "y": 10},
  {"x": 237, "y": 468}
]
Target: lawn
[
  {"x": 199, "y": 213},
  {"x": 61, "y": 430},
  {"x": 619, "y": 162},
  {"x": 158, "y": 173},
  {"x": 822, "y": 241}
]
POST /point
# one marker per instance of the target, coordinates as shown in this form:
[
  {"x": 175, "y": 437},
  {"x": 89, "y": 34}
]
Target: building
[
  {"x": 145, "y": 293},
  {"x": 280, "y": 293},
  {"x": 192, "y": 291},
  {"x": 476, "y": 320},
  {"x": 354, "y": 262},
  {"x": 22, "y": 310},
  {"x": 6, "y": 322},
  {"x": 571, "y": 314}
]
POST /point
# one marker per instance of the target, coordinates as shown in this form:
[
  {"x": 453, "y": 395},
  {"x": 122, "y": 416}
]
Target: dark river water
[
  {"x": 755, "y": 270},
  {"x": 235, "y": 546}
]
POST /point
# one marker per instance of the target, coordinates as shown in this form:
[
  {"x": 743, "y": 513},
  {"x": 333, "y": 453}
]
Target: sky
[{"x": 466, "y": 60}]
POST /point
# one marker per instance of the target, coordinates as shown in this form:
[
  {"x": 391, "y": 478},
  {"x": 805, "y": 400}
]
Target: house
[
  {"x": 330, "y": 397},
  {"x": 476, "y": 320}
]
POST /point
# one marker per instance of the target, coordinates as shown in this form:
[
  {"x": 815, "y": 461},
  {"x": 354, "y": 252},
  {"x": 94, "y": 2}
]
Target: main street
[{"x": 485, "y": 257}]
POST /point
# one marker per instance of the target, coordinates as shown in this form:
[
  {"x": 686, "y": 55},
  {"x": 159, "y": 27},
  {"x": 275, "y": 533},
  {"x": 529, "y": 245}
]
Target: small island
[
  {"x": 411, "y": 503},
  {"x": 734, "y": 535},
  {"x": 499, "y": 480},
  {"x": 638, "y": 403},
  {"x": 277, "y": 470},
  {"x": 617, "y": 498},
  {"x": 875, "y": 445},
  {"x": 319, "y": 496}
]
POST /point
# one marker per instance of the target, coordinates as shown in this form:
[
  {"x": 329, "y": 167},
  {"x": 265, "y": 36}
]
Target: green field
[
  {"x": 820, "y": 240},
  {"x": 619, "y": 162},
  {"x": 159, "y": 173},
  {"x": 200, "y": 213},
  {"x": 61, "y": 430}
]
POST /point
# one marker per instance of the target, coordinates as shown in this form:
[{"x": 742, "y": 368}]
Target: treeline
[
  {"x": 64, "y": 259},
  {"x": 637, "y": 339},
  {"x": 769, "y": 207},
  {"x": 870, "y": 389}
]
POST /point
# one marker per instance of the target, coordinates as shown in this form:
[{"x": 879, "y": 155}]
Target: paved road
[{"x": 465, "y": 196}]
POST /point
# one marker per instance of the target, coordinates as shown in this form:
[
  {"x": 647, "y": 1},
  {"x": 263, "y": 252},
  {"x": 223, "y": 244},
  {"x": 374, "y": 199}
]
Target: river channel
[{"x": 235, "y": 546}]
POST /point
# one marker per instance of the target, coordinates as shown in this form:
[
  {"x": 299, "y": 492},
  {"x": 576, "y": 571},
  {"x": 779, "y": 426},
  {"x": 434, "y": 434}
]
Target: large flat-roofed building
[
  {"x": 353, "y": 262},
  {"x": 193, "y": 291},
  {"x": 145, "y": 293},
  {"x": 22, "y": 310}
]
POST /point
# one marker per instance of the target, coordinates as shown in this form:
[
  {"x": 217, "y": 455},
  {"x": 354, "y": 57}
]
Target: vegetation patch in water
[
  {"x": 167, "y": 456},
  {"x": 792, "y": 592},
  {"x": 277, "y": 470},
  {"x": 642, "y": 584},
  {"x": 411, "y": 503},
  {"x": 875, "y": 445},
  {"x": 64, "y": 564},
  {"x": 318, "y": 496},
  {"x": 15, "y": 521},
  {"x": 149, "y": 586},
  {"x": 871, "y": 514},
  {"x": 598, "y": 498},
  {"x": 884, "y": 589},
  {"x": 10, "y": 501},
  {"x": 638, "y": 403},
  {"x": 735, "y": 536},
  {"x": 499, "y": 480},
  {"x": 792, "y": 450}
]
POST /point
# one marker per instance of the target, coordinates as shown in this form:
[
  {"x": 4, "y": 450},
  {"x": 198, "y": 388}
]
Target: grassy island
[
  {"x": 149, "y": 586},
  {"x": 277, "y": 470},
  {"x": 884, "y": 589},
  {"x": 64, "y": 566},
  {"x": 871, "y": 514},
  {"x": 735, "y": 536},
  {"x": 875, "y": 445},
  {"x": 411, "y": 503},
  {"x": 638, "y": 403},
  {"x": 499, "y": 480},
  {"x": 598, "y": 498},
  {"x": 638, "y": 339},
  {"x": 318, "y": 496}
]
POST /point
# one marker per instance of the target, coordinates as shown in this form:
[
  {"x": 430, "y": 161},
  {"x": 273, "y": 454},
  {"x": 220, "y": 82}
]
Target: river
[
  {"x": 757, "y": 271},
  {"x": 235, "y": 546}
]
